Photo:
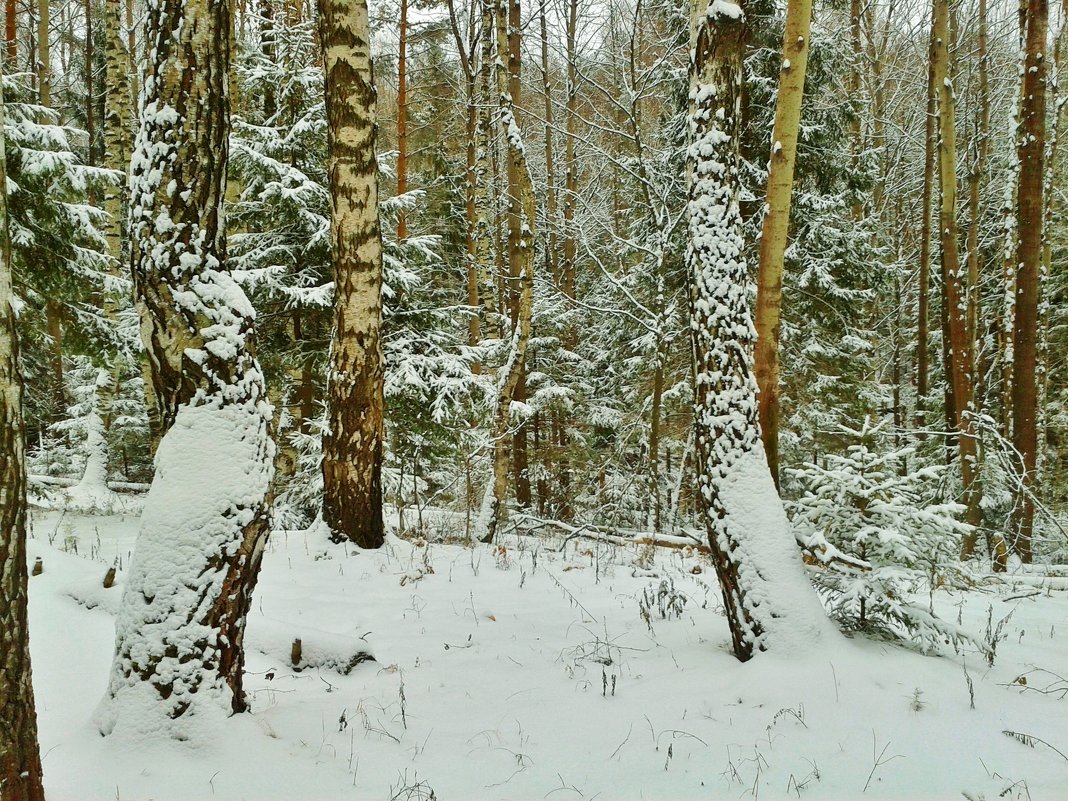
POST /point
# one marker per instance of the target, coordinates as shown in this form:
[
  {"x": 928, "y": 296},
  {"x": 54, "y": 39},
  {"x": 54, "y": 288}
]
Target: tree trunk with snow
[
  {"x": 955, "y": 297},
  {"x": 20, "y": 758},
  {"x": 352, "y": 446},
  {"x": 776, "y": 224},
  {"x": 510, "y": 373},
  {"x": 1029, "y": 216},
  {"x": 180, "y": 629},
  {"x": 769, "y": 603}
]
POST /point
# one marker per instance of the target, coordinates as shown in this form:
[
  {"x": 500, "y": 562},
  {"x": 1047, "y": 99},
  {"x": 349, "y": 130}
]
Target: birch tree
[
  {"x": 768, "y": 601},
  {"x": 20, "y": 758},
  {"x": 776, "y": 223},
  {"x": 180, "y": 628},
  {"x": 511, "y": 371},
  {"x": 352, "y": 445}
]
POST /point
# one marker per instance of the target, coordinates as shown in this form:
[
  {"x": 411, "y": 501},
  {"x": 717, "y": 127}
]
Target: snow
[
  {"x": 507, "y": 660},
  {"x": 212, "y": 472}
]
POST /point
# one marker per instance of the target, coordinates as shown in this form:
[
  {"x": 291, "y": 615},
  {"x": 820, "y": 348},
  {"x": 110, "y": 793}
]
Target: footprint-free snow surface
[{"x": 536, "y": 670}]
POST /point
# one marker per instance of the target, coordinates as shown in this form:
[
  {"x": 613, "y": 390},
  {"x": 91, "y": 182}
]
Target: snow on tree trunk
[
  {"x": 1031, "y": 146},
  {"x": 179, "y": 633},
  {"x": 769, "y": 603},
  {"x": 20, "y": 758},
  {"x": 352, "y": 445},
  {"x": 510, "y": 373}
]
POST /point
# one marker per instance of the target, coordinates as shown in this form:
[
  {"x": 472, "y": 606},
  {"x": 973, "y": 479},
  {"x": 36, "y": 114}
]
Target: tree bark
[
  {"x": 353, "y": 445},
  {"x": 768, "y": 600},
  {"x": 1029, "y": 225},
  {"x": 509, "y": 375},
  {"x": 402, "y": 118},
  {"x": 20, "y": 757},
  {"x": 776, "y": 224},
  {"x": 923, "y": 313},
  {"x": 11, "y": 34},
  {"x": 180, "y": 628},
  {"x": 955, "y": 297}
]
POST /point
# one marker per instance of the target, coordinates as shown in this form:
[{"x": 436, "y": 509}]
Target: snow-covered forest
[{"x": 523, "y": 399}]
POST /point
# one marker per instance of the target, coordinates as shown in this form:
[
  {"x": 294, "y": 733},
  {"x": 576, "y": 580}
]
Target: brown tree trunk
[
  {"x": 776, "y": 224},
  {"x": 352, "y": 447},
  {"x": 44, "y": 54},
  {"x": 472, "y": 177},
  {"x": 923, "y": 313},
  {"x": 1030, "y": 208},
  {"x": 20, "y": 757},
  {"x": 11, "y": 34},
  {"x": 955, "y": 298}
]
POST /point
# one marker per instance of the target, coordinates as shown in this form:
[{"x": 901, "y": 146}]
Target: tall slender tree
[
  {"x": 1030, "y": 195},
  {"x": 768, "y": 600},
  {"x": 955, "y": 298},
  {"x": 180, "y": 628},
  {"x": 352, "y": 445},
  {"x": 511, "y": 371},
  {"x": 776, "y": 224},
  {"x": 20, "y": 757}
]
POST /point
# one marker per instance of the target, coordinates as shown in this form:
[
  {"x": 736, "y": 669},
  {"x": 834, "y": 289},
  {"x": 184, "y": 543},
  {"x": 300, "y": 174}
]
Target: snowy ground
[{"x": 530, "y": 673}]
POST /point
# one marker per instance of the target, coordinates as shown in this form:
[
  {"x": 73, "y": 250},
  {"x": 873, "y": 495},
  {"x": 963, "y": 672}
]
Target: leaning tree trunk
[
  {"x": 776, "y": 224},
  {"x": 180, "y": 629},
  {"x": 20, "y": 758},
  {"x": 1029, "y": 216},
  {"x": 352, "y": 446},
  {"x": 768, "y": 600},
  {"x": 510, "y": 373}
]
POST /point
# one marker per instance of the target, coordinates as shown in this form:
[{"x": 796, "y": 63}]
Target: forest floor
[{"x": 531, "y": 672}]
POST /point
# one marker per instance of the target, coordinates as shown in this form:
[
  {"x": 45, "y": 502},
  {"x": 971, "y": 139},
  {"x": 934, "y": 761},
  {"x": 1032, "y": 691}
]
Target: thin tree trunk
[
  {"x": 497, "y": 490},
  {"x": 472, "y": 178},
  {"x": 44, "y": 54},
  {"x": 552, "y": 256},
  {"x": 352, "y": 447},
  {"x": 776, "y": 224},
  {"x": 768, "y": 600},
  {"x": 402, "y": 118},
  {"x": 923, "y": 313},
  {"x": 180, "y": 627},
  {"x": 90, "y": 98},
  {"x": 20, "y": 757},
  {"x": 1030, "y": 211},
  {"x": 955, "y": 298},
  {"x": 11, "y": 34}
]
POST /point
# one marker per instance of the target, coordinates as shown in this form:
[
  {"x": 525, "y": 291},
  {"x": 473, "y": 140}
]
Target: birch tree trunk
[
  {"x": 20, "y": 758},
  {"x": 180, "y": 628},
  {"x": 768, "y": 600},
  {"x": 510, "y": 373},
  {"x": 352, "y": 447},
  {"x": 1029, "y": 218},
  {"x": 776, "y": 224}
]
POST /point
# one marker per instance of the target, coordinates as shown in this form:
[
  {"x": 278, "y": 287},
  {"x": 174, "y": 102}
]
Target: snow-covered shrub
[{"x": 872, "y": 504}]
